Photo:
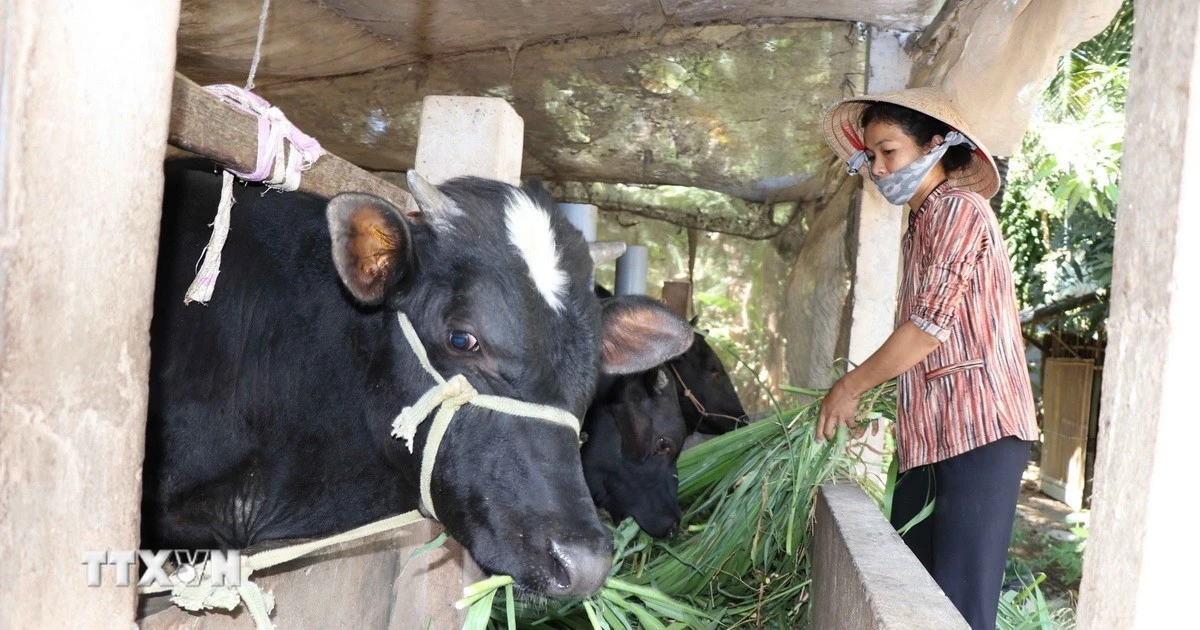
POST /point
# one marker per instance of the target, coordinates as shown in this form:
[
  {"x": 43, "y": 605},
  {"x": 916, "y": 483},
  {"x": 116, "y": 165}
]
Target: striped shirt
[{"x": 973, "y": 389}]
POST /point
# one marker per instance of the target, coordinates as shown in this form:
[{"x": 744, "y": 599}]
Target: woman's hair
[{"x": 920, "y": 127}]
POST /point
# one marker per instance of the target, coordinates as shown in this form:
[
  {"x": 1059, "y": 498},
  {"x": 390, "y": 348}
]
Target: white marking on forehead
[{"x": 530, "y": 231}]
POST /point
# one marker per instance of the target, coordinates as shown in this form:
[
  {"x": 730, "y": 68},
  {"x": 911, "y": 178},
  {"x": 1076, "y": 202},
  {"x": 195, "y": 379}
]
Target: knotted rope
[
  {"x": 450, "y": 395},
  {"x": 283, "y": 153},
  {"x": 446, "y": 396},
  {"x": 204, "y": 595}
]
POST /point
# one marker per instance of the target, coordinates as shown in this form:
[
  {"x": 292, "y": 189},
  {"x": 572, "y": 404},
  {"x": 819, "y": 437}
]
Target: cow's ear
[
  {"x": 640, "y": 333},
  {"x": 372, "y": 245}
]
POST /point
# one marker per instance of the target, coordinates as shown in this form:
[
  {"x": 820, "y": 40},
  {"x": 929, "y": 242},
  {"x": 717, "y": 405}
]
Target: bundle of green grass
[{"x": 742, "y": 561}]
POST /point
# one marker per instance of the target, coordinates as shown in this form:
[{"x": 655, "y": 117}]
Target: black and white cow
[{"x": 271, "y": 407}]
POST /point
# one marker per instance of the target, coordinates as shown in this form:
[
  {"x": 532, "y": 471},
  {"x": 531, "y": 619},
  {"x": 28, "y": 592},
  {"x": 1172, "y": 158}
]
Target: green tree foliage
[{"x": 1060, "y": 203}]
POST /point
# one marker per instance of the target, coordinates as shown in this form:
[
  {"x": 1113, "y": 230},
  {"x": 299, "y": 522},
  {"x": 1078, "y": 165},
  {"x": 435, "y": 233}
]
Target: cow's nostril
[
  {"x": 578, "y": 571},
  {"x": 560, "y": 577}
]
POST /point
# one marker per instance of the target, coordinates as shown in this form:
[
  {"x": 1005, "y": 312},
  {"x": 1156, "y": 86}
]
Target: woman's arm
[{"x": 904, "y": 348}]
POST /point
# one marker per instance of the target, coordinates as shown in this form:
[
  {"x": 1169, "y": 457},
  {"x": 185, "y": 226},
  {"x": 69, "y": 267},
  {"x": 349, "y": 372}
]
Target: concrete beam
[
  {"x": 864, "y": 576},
  {"x": 85, "y": 96},
  {"x": 1138, "y": 557}
]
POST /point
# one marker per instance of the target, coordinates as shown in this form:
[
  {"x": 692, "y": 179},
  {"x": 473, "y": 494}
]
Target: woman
[{"x": 965, "y": 416}]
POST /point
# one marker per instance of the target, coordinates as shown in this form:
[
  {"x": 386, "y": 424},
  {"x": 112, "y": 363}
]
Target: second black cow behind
[{"x": 636, "y": 427}]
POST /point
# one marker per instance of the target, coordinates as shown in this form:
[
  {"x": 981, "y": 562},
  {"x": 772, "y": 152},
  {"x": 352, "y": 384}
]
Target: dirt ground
[{"x": 1037, "y": 516}]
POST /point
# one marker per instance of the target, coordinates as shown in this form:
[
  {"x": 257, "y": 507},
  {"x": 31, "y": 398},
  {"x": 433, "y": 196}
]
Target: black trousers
[{"x": 964, "y": 543}]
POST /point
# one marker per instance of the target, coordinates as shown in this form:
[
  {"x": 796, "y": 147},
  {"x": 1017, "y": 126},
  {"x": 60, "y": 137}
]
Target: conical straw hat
[{"x": 842, "y": 132}]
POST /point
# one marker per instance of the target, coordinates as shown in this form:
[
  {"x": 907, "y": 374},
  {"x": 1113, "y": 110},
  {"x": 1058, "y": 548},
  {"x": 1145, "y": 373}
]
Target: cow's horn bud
[{"x": 433, "y": 203}]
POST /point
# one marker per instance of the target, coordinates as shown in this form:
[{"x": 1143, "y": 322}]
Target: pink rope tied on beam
[
  {"x": 283, "y": 153},
  {"x": 275, "y": 132}
]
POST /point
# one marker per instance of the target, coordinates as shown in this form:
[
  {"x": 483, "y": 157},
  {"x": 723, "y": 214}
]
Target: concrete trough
[{"x": 864, "y": 576}]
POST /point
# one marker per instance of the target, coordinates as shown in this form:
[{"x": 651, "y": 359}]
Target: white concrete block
[{"x": 468, "y": 135}]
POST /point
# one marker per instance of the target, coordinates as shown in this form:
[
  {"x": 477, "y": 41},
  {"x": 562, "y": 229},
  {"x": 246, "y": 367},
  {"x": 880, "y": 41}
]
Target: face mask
[{"x": 899, "y": 187}]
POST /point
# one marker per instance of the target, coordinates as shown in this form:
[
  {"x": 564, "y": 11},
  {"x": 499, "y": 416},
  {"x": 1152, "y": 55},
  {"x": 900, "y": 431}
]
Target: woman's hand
[
  {"x": 838, "y": 408},
  {"x": 904, "y": 348}
]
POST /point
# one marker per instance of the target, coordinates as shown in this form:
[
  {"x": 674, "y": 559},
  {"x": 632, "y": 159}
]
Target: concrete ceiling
[
  {"x": 308, "y": 39},
  {"x": 722, "y": 95}
]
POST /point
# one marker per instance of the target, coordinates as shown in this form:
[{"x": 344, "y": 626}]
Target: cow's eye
[
  {"x": 462, "y": 341},
  {"x": 664, "y": 445}
]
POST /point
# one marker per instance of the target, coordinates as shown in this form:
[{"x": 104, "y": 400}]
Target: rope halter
[
  {"x": 704, "y": 413},
  {"x": 447, "y": 396}
]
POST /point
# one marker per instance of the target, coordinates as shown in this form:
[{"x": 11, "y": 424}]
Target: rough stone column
[
  {"x": 878, "y": 230},
  {"x": 84, "y": 103},
  {"x": 1138, "y": 570}
]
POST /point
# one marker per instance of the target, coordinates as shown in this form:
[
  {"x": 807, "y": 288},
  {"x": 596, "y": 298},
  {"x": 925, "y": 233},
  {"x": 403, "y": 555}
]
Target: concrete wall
[
  {"x": 863, "y": 574},
  {"x": 85, "y": 96}
]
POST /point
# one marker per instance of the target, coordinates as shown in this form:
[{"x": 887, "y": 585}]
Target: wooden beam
[
  {"x": 205, "y": 125},
  {"x": 1036, "y": 342},
  {"x": 677, "y": 296},
  {"x": 1058, "y": 308}
]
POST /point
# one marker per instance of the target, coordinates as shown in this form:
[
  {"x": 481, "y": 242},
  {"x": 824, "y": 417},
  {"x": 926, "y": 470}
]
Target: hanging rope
[
  {"x": 693, "y": 241},
  {"x": 283, "y": 153},
  {"x": 447, "y": 396}
]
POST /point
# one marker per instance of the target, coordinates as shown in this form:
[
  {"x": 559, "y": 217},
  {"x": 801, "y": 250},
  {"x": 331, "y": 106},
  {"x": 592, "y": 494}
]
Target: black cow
[
  {"x": 634, "y": 434},
  {"x": 636, "y": 428},
  {"x": 271, "y": 407},
  {"x": 707, "y": 397}
]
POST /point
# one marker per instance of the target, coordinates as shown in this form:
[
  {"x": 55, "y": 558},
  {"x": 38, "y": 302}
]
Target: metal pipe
[
  {"x": 632, "y": 268},
  {"x": 583, "y": 216}
]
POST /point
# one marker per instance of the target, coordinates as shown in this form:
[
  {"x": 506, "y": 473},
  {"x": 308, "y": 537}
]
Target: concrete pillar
[
  {"x": 85, "y": 100},
  {"x": 1140, "y": 556},
  {"x": 878, "y": 229},
  {"x": 469, "y": 135}
]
